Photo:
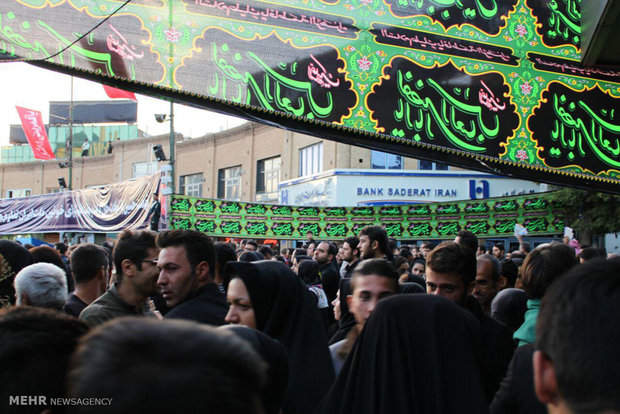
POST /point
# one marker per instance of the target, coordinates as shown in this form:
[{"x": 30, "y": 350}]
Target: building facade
[{"x": 254, "y": 162}]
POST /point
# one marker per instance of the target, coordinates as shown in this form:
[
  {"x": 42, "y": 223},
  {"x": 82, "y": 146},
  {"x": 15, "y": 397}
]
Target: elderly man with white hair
[{"x": 43, "y": 285}]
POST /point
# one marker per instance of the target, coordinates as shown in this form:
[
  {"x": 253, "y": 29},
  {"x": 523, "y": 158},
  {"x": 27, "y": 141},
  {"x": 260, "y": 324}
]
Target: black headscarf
[
  {"x": 509, "y": 307},
  {"x": 286, "y": 310},
  {"x": 347, "y": 320},
  {"x": 415, "y": 355},
  {"x": 274, "y": 355},
  {"x": 308, "y": 271},
  {"x": 15, "y": 258}
]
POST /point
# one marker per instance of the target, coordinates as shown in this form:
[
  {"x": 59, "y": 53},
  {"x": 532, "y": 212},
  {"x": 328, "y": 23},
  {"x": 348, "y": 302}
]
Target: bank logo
[{"x": 478, "y": 189}]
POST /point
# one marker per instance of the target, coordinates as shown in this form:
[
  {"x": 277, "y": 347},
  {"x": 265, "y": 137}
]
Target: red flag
[
  {"x": 118, "y": 93},
  {"x": 32, "y": 122}
]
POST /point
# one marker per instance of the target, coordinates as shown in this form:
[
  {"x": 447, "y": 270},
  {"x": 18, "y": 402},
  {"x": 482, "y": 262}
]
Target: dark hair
[
  {"x": 265, "y": 251},
  {"x": 376, "y": 267},
  {"x": 224, "y": 253},
  {"x": 405, "y": 251},
  {"x": 35, "y": 347},
  {"x": 428, "y": 245},
  {"x": 132, "y": 245},
  {"x": 353, "y": 242},
  {"x": 543, "y": 265},
  {"x": 510, "y": 271},
  {"x": 378, "y": 234},
  {"x": 252, "y": 243},
  {"x": 47, "y": 254},
  {"x": 526, "y": 247},
  {"x": 300, "y": 252},
  {"x": 495, "y": 263},
  {"x": 209, "y": 370},
  {"x": 398, "y": 261},
  {"x": 86, "y": 261},
  {"x": 469, "y": 239},
  {"x": 61, "y": 247},
  {"x": 392, "y": 245},
  {"x": 589, "y": 253},
  {"x": 332, "y": 249},
  {"x": 579, "y": 332},
  {"x": 450, "y": 257},
  {"x": 198, "y": 246},
  {"x": 250, "y": 257},
  {"x": 500, "y": 246},
  {"x": 418, "y": 260}
]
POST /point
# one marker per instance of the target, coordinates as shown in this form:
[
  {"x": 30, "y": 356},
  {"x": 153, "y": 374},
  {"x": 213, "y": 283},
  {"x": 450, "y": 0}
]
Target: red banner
[
  {"x": 118, "y": 93},
  {"x": 33, "y": 125}
]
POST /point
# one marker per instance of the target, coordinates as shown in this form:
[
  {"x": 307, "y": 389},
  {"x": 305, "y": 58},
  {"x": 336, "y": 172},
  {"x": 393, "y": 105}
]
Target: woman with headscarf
[
  {"x": 345, "y": 319},
  {"x": 269, "y": 297},
  {"x": 274, "y": 355},
  {"x": 415, "y": 356},
  {"x": 15, "y": 258}
]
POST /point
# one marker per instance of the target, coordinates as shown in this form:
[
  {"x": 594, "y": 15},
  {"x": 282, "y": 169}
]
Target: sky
[{"x": 31, "y": 87}]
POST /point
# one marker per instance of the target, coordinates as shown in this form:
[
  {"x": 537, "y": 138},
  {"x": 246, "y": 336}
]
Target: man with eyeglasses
[
  {"x": 135, "y": 260},
  {"x": 451, "y": 273}
]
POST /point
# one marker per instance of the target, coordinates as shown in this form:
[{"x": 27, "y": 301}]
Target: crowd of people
[{"x": 175, "y": 322}]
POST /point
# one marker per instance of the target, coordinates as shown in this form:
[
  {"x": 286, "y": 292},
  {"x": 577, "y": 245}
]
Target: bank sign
[{"x": 372, "y": 187}]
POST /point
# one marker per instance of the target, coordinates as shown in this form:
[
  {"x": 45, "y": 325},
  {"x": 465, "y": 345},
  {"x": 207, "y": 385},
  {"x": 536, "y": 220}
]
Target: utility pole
[{"x": 172, "y": 137}]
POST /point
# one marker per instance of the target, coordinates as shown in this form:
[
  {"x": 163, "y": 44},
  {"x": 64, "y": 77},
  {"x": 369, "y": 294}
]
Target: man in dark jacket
[
  {"x": 186, "y": 277},
  {"x": 324, "y": 255},
  {"x": 450, "y": 272}
]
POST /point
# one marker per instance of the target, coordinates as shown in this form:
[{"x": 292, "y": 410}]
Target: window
[
  {"x": 268, "y": 175},
  {"x": 18, "y": 192},
  {"x": 140, "y": 169},
  {"x": 384, "y": 161},
  {"x": 229, "y": 183},
  {"x": 311, "y": 159},
  {"x": 191, "y": 185},
  {"x": 429, "y": 165}
]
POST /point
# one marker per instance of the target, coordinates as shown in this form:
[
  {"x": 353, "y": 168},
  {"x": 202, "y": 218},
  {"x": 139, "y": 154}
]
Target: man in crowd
[
  {"x": 426, "y": 248},
  {"x": 350, "y": 254},
  {"x": 488, "y": 280},
  {"x": 135, "y": 261},
  {"x": 35, "y": 348},
  {"x": 250, "y": 246},
  {"x": 42, "y": 285},
  {"x": 467, "y": 238},
  {"x": 186, "y": 270},
  {"x": 146, "y": 366},
  {"x": 450, "y": 272},
  {"x": 372, "y": 280},
  {"x": 498, "y": 251},
  {"x": 373, "y": 243},
  {"x": 578, "y": 341},
  {"x": 324, "y": 255},
  {"x": 89, "y": 266}
]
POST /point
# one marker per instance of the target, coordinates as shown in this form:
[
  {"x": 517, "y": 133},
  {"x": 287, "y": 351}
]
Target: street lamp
[{"x": 161, "y": 118}]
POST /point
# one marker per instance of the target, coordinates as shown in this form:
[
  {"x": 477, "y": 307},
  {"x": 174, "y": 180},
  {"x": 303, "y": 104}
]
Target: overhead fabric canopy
[{"x": 490, "y": 85}]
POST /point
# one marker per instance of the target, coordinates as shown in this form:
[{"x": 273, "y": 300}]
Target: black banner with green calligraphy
[
  {"x": 490, "y": 85},
  {"x": 494, "y": 217}
]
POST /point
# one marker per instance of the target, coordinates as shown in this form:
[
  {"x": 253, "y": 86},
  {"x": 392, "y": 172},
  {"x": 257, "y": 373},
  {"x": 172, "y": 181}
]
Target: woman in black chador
[
  {"x": 268, "y": 296},
  {"x": 415, "y": 355}
]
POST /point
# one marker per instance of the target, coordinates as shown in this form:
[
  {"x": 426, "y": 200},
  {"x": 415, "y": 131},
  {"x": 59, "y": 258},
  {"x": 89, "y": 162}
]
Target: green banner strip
[{"x": 495, "y": 217}]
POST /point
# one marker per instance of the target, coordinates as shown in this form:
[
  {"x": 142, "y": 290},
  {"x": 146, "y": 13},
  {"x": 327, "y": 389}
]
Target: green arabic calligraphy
[
  {"x": 420, "y": 229},
  {"x": 538, "y": 224},
  {"x": 505, "y": 226},
  {"x": 203, "y": 206},
  {"x": 181, "y": 224},
  {"x": 282, "y": 229},
  {"x": 480, "y": 227},
  {"x": 419, "y": 112},
  {"x": 256, "y": 209},
  {"x": 257, "y": 228},
  {"x": 230, "y": 227},
  {"x": 448, "y": 228},
  {"x": 578, "y": 132},
  {"x": 565, "y": 24},
  {"x": 271, "y": 94},
  {"x": 180, "y": 204},
  {"x": 336, "y": 230},
  {"x": 15, "y": 39},
  {"x": 206, "y": 226}
]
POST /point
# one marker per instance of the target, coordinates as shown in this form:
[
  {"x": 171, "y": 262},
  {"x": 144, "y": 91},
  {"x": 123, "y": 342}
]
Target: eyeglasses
[{"x": 151, "y": 261}]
